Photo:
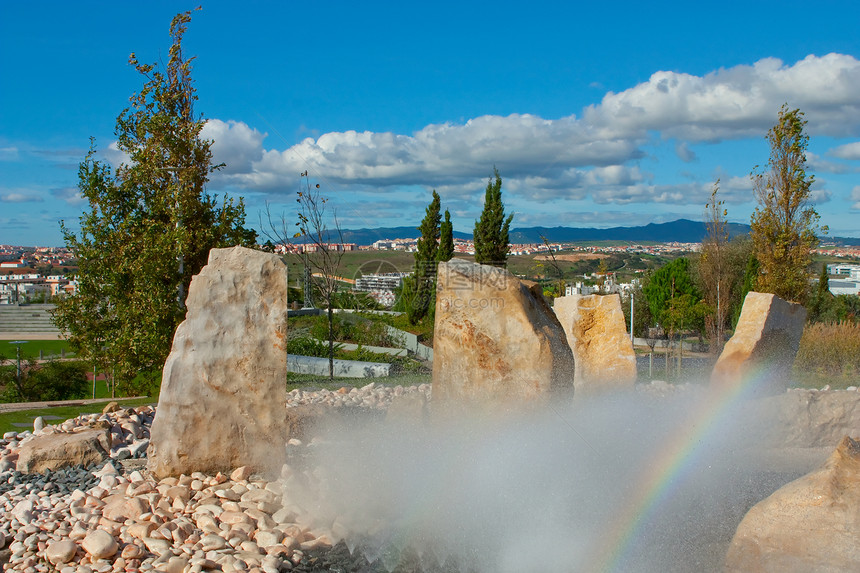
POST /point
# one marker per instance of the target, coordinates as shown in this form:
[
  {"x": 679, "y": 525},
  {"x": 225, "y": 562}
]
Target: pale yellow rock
[
  {"x": 809, "y": 525},
  {"x": 223, "y": 394},
  {"x": 55, "y": 451},
  {"x": 62, "y": 551},
  {"x": 100, "y": 544},
  {"x": 598, "y": 337},
  {"x": 496, "y": 344},
  {"x": 761, "y": 351}
]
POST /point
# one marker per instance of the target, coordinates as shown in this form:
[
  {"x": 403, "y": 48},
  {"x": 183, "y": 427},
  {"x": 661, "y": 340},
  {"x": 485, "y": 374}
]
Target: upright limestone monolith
[
  {"x": 761, "y": 351},
  {"x": 496, "y": 343},
  {"x": 597, "y": 335},
  {"x": 223, "y": 393}
]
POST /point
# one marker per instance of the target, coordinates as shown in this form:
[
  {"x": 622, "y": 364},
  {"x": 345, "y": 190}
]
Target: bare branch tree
[{"x": 313, "y": 240}]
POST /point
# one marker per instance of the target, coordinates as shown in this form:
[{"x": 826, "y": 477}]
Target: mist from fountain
[{"x": 620, "y": 482}]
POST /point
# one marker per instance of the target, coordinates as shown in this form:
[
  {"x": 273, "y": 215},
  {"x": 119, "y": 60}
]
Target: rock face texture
[
  {"x": 762, "y": 349},
  {"x": 601, "y": 346},
  {"x": 223, "y": 392},
  {"x": 496, "y": 342},
  {"x": 810, "y": 524},
  {"x": 810, "y": 418},
  {"x": 55, "y": 451}
]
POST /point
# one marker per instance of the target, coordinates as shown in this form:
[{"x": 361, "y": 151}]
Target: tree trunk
[{"x": 330, "y": 341}]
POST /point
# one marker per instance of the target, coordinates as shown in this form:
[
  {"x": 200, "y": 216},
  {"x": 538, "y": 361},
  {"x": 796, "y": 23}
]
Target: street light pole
[{"x": 18, "y": 344}]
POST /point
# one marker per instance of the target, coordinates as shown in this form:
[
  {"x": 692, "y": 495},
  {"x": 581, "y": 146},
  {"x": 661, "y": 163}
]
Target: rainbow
[{"x": 668, "y": 469}]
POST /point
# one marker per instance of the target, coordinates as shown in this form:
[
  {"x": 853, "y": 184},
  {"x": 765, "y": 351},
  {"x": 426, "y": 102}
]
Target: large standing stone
[
  {"x": 55, "y": 451},
  {"x": 495, "y": 341},
  {"x": 762, "y": 349},
  {"x": 594, "y": 325},
  {"x": 223, "y": 393},
  {"x": 810, "y": 524}
]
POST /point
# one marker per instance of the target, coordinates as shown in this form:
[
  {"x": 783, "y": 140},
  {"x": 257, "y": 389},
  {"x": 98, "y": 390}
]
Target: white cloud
[
  {"x": 234, "y": 144},
  {"x": 684, "y": 153},
  {"x": 8, "y": 153},
  {"x": 570, "y": 158},
  {"x": 736, "y": 102},
  {"x": 847, "y": 151},
  {"x": 70, "y": 195},
  {"x": 855, "y": 196},
  {"x": 20, "y": 197}
]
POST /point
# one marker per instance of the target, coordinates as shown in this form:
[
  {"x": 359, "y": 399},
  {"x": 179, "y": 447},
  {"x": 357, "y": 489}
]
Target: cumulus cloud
[
  {"x": 70, "y": 195},
  {"x": 684, "y": 153},
  {"x": 570, "y": 158},
  {"x": 855, "y": 196},
  {"x": 234, "y": 144},
  {"x": 736, "y": 102},
  {"x": 20, "y": 197},
  {"x": 847, "y": 151}
]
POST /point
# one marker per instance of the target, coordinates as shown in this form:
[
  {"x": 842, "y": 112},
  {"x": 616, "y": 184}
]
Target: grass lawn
[
  {"x": 23, "y": 419},
  {"x": 31, "y": 348}
]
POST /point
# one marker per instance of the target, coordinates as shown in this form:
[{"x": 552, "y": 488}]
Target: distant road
[
  {"x": 31, "y": 336},
  {"x": 17, "y": 406}
]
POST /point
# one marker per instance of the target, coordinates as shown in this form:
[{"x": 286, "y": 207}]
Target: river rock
[
  {"x": 62, "y": 551},
  {"x": 223, "y": 391},
  {"x": 761, "y": 352},
  {"x": 100, "y": 544},
  {"x": 810, "y": 524},
  {"x": 602, "y": 350},
  {"x": 55, "y": 451},
  {"x": 496, "y": 342}
]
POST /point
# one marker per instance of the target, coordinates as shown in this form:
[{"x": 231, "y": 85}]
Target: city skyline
[{"x": 596, "y": 116}]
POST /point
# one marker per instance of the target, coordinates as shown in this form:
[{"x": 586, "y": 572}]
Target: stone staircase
[{"x": 26, "y": 319}]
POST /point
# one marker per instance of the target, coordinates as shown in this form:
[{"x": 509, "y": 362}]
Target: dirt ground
[{"x": 573, "y": 257}]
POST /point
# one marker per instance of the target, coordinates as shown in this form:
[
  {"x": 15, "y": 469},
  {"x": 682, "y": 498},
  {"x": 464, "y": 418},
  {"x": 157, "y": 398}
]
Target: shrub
[
  {"x": 307, "y": 346},
  {"x": 829, "y": 351},
  {"x": 53, "y": 380}
]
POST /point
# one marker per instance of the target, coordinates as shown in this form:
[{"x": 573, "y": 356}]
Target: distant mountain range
[{"x": 680, "y": 231}]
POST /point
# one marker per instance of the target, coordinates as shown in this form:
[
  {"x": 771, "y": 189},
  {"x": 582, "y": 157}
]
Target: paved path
[
  {"x": 18, "y": 406},
  {"x": 31, "y": 336}
]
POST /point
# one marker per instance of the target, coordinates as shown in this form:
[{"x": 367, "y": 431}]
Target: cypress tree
[
  {"x": 446, "y": 240},
  {"x": 424, "y": 276},
  {"x": 491, "y": 230}
]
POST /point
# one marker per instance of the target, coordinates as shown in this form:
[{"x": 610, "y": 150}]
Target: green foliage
[
  {"x": 149, "y": 228},
  {"x": 491, "y": 230},
  {"x": 671, "y": 281},
  {"x": 53, "y": 380},
  {"x": 446, "y": 239},
  {"x": 423, "y": 284},
  {"x": 784, "y": 225},
  {"x": 748, "y": 285},
  {"x": 307, "y": 346}
]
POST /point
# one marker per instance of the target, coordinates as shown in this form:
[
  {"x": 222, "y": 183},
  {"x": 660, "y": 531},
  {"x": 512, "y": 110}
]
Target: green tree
[
  {"x": 446, "y": 239},
  {"x": 642, "y": 318},
  {"x": 748, "y": 284},
  {"x": 714, "y": 269},
  {"x": 149, "y": 227},
  {"x": 670, "y": 281},
  {"x": 491, "y": 230},
  {"x": 421, "y": 289},
  {"x": 784, "y": 224}
]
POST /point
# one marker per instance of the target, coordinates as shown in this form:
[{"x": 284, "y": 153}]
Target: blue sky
[{"x": 596, "y": 114}]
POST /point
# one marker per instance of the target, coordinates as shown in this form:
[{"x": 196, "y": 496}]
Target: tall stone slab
[
  {"x": 223, "y": 392},
  {"x": 496, "y": 343},
  {"x": 761, "y": 352},
  {"x": 597, "y": 335},
  {"x": 810, "y": 524}
]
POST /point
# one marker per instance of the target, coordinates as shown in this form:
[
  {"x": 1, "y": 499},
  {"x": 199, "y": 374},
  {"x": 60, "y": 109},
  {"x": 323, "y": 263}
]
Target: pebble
[{"x": 124, "y": 520}]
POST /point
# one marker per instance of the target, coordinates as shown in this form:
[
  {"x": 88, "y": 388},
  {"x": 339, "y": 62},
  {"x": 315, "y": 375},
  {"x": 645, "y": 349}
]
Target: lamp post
[{"x": 18, "y": 344}]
